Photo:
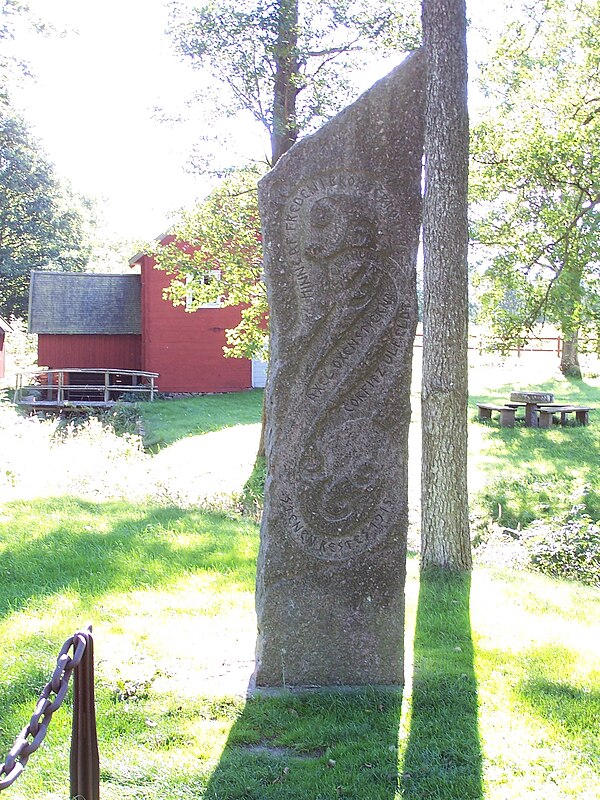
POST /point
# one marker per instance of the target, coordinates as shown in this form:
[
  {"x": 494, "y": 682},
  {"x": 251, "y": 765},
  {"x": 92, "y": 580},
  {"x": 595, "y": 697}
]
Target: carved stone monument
[{"x": 341, "y": 216}]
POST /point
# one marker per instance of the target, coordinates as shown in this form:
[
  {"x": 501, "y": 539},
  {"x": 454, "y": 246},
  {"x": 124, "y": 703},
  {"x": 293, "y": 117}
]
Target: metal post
[{"x": 85, "y": 762}]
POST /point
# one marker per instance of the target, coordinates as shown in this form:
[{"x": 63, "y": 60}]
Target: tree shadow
[
  {"x": 443, "y": 754},
  {"x": 313, "y": 744},
  {"x": 92, "y": 549}
]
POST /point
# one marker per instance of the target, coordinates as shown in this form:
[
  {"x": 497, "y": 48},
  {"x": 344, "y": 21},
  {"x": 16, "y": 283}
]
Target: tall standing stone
[{"x": 341, "y": 217}]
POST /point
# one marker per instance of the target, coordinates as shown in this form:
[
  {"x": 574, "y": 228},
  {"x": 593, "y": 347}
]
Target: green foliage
[
  {"x": 42, "y": 224},
  {"x": 240, "y": 44},
  {"x": 254, "y": 490},
  {"x": 569, "y": 548},
  {"x": 121, "y": 419},
  {"x": 21, "y": 347},
  {"x": 221, "y": 234},
  {"x": 536, "y": 173}
]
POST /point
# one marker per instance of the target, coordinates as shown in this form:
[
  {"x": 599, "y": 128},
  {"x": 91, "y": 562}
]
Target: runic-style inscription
[
  {"x": 341, "y": 214},
  {"x": 337, "y": 239}
]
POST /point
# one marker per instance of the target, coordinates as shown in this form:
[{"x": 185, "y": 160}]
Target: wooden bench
[
  {"x": 547, "y": 412},
  {"x": 507, "y": 413}
]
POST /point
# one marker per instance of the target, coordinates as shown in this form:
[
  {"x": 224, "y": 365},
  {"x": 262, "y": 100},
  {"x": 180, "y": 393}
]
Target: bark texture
[
  {"x": 445, "y": 535},
  {"x": 569, "y": 357},
  {"x": 285, "y": 126},
  {"x": 285, "y": 91}
]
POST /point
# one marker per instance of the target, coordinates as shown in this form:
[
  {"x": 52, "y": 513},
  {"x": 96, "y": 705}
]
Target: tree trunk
[
  {"x": 285, "y": 92},
  {"x": 445, "y": 536},
  {"x": 285, "y": 127},
  {"x": 569, "y": 357}
]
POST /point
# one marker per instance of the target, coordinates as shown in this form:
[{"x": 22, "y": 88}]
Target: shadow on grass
[
  {"x": 443, "y": 754},
  {"x": 540, "y": 474},
  {"x": 92, "y": 549},
  {"x": 310, "y": 746}
]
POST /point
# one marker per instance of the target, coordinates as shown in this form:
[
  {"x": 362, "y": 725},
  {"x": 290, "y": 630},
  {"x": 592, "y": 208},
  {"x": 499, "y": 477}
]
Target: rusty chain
[{"x": 37, "y": 726}]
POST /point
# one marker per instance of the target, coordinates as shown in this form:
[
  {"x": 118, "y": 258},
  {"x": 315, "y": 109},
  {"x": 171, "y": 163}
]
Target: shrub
[
  {"x": 121, "y": 419},
  {"x": 568, "y": 550}
]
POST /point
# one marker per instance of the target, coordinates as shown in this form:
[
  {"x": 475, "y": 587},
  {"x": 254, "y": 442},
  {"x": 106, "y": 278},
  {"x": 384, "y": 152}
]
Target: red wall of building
[
  {"x": 123, "y": 351},
  {"x": 186, "y": 349}
]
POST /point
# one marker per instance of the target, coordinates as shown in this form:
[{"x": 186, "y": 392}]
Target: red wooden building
[
  {"x": 91, "y": 320},
  {"x": 4, "y": 329}
]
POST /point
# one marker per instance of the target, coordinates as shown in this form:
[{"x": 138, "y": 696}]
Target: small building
[
  {"x": 4, "y": 329},
  {"x": 91, "y": 320}
]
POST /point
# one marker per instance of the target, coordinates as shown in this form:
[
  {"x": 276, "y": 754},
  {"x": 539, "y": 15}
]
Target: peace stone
[{"x": 340, "y": 215}]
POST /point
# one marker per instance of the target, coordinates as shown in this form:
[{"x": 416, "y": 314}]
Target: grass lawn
[
  {"x": 502, "y": 697},
  {"x": 558, "y": 466},
  {"x": 166, "y": 421}
]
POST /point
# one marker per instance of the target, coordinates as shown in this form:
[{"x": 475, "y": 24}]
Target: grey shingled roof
[
  {"x": 4, "y": 326},
  {"x": 84, "y": 302}
]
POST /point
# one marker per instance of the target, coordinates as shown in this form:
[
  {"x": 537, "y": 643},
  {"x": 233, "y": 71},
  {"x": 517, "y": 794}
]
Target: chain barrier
[{"x": 51, "y": 697}]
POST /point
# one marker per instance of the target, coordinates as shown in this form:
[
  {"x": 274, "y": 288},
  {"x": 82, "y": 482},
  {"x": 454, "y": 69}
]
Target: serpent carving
[{"x": 342, "y": 429}]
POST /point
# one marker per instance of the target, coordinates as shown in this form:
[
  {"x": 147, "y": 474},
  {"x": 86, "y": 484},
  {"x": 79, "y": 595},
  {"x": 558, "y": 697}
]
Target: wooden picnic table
[
  {"x": 540, "y": 409},
  {"x": 531, "y": 401}
]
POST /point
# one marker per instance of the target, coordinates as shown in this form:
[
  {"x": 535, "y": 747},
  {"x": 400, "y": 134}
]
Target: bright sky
[{"x": 93, "y": 104}]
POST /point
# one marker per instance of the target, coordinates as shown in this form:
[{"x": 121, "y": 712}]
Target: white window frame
[{"x": 215, "y": 274}]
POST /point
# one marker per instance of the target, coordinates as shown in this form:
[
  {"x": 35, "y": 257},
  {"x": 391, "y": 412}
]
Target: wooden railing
[{"x": 61, "y": 388}]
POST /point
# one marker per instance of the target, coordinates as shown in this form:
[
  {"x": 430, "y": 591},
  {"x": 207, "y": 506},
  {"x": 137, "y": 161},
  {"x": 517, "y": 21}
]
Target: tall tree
[
  {"x": 536, "y": 170},
  {"x": 288, "y": 63},
  {"x": 42, "y": 224},
  {"x": 445, "y": 540}
]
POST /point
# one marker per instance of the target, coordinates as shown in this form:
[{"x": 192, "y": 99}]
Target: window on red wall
[{"x": 213, "y": 275}]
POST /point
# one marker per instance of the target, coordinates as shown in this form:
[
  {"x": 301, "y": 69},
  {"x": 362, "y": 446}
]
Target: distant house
[
  {"x": 90, "y": 320},
  {"x": 4, "y": 329}
]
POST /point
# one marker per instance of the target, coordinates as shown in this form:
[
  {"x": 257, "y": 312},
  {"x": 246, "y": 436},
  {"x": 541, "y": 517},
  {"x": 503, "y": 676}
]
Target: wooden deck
[{"x": 72, "y": 389}]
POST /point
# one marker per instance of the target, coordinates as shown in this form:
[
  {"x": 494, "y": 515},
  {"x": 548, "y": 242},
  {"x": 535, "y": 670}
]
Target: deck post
[{"x": 106, "y": 386}]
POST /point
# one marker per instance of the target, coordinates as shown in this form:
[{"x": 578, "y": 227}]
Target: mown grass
[
  {"x": 166, "y": 421},
  {"x": 526, "y": 474},
  {"x": 503, "y": 685}
]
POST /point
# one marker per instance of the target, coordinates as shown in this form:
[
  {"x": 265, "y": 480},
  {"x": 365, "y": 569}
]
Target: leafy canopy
[
  {"x": 536, "y": 172},
  {"x": 222, "y": 234},
  {"x": 42, "y": 224},
  {"x": 241, "y": 44},
  {"x": 289, "y": 64}
]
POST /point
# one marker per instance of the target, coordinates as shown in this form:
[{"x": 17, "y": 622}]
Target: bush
[
  {"x": 254, "y": 489},
  {"x": 570, "y": 550},
  {"x": 121, "y": 419},
  {"x": 545, "y": 523}
]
